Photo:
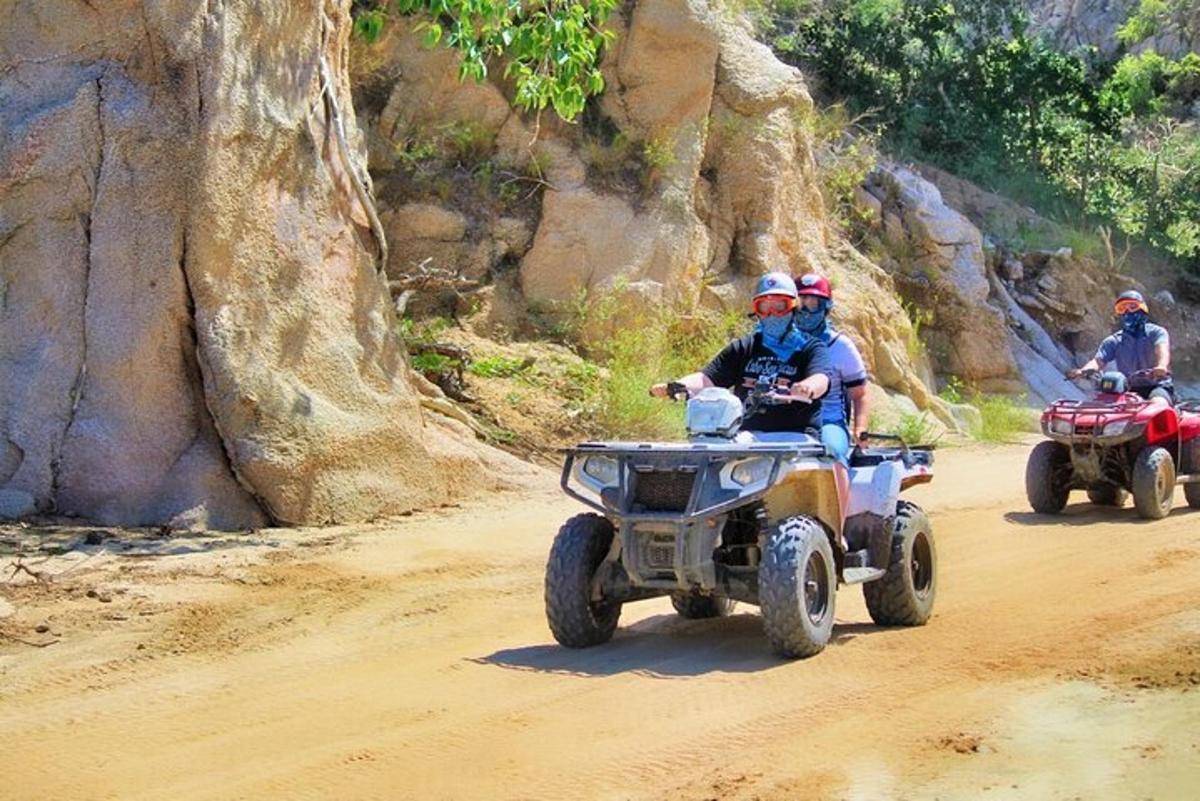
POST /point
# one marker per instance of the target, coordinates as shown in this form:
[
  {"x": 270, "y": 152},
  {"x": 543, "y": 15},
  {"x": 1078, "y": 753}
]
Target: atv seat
[{"x": 872, "y": 457}]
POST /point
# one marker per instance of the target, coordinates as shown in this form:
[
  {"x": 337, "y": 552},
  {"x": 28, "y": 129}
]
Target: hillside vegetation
[{"x": 964, "y": 85}]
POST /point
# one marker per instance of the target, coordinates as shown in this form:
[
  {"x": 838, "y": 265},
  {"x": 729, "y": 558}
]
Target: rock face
[
  {"x": 1094, "y": 23},
  {"x": 192, "y": 329},
  {"x": 938, "y": 262},
  {"x": 728, "y": 187},
  {"x": 1058, "y": 302}
]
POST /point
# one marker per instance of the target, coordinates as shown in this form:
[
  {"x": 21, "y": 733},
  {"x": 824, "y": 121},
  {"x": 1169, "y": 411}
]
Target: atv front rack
[
  {"x": 1101, "y": 412},
  {"x": 645, "y": 462}
]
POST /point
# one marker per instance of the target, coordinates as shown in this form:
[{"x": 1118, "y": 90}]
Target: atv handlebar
[{"x": 1093, "y": 376}]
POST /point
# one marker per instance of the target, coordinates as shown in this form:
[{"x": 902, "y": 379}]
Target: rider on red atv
[{"x": 1140, "y": 347}]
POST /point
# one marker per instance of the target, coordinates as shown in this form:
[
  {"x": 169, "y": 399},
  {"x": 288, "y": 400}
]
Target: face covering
[
  {"x": 815, "y": 323},
  {"x": 780, "y": 336},
  {"x": 1134, "y": 323}
]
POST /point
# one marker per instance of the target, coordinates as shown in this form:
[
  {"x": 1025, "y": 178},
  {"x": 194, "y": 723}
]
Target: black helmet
[{"x": 1130, "y": 300}]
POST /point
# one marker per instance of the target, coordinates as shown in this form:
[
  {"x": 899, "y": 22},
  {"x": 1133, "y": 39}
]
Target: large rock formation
[
  {"x": 1094, "y": 23},
  {"x": 192, "y": 329},
  {"x": 721, "y": 132},
  {"x": 936, "y": 256}
]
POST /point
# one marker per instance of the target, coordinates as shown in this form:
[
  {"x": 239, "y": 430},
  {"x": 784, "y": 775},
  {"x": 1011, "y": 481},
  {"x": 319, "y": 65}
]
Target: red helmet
[{"x": 813, "y": 284}]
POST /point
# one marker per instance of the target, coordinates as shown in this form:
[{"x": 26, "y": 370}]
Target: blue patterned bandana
[
  {"x": 781, "y": 337},
  {"x": 814, "y": 322}
]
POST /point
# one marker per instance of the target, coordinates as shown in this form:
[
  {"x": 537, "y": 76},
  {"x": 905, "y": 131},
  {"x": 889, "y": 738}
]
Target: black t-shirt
[{"x": 740, "y": 364}]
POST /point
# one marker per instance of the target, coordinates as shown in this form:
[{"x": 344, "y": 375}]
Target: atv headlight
[
  {"x": 601, "y": 469},
  {"x": 751, "y": 471},
  {"x": 1059, "y": 426},
  {"x": 1115, "y": 427}
]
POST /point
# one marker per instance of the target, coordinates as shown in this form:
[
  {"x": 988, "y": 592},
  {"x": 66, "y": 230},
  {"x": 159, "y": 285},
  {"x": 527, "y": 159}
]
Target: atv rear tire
[
  {"x": 797, "y": 587},
  {"x": 575, "y": 620},
  {"x": 1192, "y": 465},
  {"x": 1047, "y": 477},
  {"x": 905, "y": 595},
  {"x": 1153, "y": 482},
  {"x": 695, "y": 606},
  {"x": 1107, "y": 495}
]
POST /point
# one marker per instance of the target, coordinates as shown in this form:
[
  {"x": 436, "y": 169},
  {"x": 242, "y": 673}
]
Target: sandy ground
[{"x": 412, "y": 660}]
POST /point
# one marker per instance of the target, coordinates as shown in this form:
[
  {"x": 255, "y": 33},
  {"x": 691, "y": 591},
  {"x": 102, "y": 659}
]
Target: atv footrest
[
  {"x": 859, "y": 575},
  {"x": 857, "y": 559}
]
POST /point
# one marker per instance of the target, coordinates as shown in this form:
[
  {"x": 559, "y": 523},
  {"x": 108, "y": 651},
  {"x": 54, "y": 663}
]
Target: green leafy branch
[{"x": 551, "y": 49}]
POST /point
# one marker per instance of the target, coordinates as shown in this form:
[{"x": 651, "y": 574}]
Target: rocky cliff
[
  {"x": 1076, "y": 24},
  {"x": 192, "y": 327},
  {"x": 717, "y": 134},
  {"x": 720, "y": 136}
]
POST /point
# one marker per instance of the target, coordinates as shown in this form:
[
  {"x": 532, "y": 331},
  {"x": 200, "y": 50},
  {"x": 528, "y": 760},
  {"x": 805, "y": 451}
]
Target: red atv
[{"x": 1116, "y": 443}]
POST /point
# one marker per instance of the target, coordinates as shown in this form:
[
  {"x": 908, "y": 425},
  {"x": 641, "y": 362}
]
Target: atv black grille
[
  {"x": 659, "y": 551},
  {"x": 662, "y": 491}
]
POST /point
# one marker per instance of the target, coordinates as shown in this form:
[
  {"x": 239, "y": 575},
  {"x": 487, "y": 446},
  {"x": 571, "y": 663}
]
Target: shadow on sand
[
  {"x": 1088, "y": 514},
  {"x": 667, "y": 647}
]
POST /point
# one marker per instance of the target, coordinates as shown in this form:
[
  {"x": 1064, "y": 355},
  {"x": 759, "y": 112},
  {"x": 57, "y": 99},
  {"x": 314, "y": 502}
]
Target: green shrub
[
  {"x": 498, "y": 366},
  {"x": 658, "y": 155},
  {"x": 1003, "y": 418},
  {"x": 550, "y": 51},
  {"x": 428, "y": 362},
  {"x": 915, "y": 429},
  {"x": 639, "y": 352}
]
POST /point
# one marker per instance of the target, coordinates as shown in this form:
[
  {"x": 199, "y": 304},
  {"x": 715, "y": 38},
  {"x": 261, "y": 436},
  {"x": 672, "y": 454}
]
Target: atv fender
[
  {"x": 874, "y": 489},
  {"x": 809, "y": 486}
]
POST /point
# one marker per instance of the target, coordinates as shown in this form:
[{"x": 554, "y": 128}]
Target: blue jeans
[{"x": 837, "y": 439}]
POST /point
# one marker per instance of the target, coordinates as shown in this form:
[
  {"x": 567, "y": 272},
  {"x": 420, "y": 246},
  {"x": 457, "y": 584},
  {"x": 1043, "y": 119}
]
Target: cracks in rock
[
  {"x": 199, "y": 97},
  {"x": 76, "y": 394},
  {"x": 149, "y": 37},
  {"x": 196, "y": 370},
  {"x": 327, "y": 90}
]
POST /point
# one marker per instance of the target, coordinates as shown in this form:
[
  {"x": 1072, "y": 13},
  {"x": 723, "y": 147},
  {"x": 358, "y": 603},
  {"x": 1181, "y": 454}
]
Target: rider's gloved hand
[{"x": 1074, "y": 372}]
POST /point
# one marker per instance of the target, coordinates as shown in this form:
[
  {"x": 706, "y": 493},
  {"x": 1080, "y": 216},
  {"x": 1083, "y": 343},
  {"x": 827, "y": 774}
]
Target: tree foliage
[
  {"x": 961, "y": 83},
  {"x": 550, "y": 49}
]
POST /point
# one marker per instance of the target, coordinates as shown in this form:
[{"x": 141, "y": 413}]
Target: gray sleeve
[
  {"x": 1107, "y": 350},
  {"x": 1159, "y": 336}
]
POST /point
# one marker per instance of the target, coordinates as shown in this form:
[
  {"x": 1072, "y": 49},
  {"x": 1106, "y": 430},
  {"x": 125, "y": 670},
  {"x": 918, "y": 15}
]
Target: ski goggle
[
  {"x": 1127, "y": 305},
  {"x": 773, "y": 305}
]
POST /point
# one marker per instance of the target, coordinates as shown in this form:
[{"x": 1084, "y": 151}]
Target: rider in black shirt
[{"x": 795, "y": 363}]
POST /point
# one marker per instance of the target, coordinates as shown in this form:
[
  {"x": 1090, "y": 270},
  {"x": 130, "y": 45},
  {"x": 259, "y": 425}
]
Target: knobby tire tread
[
  {"x": 892, "y": 600},
  {"x": 1045, "y": 484},
  {"x": 781, "y": 596},
  {"x": 578, "y": 549}
]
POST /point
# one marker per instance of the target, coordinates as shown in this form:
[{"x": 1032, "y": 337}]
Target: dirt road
[{"x": 413, "y": 661}]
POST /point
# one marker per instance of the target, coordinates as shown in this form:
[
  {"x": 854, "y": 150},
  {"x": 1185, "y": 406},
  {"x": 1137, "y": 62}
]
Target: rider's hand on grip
[{"x": 671, "y": 389}]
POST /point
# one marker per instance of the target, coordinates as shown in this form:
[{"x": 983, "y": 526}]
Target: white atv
[{"x": 730, "y": 515}]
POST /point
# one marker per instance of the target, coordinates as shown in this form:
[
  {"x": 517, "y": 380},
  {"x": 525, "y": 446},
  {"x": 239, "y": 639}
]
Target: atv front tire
[
  {"x": 577, "y": 621},
  {"x": 1107, "y": 495},
  {"x": 905, "y": 595},
  {"x": 1153, "y": 482},
  {"x": 797, "y": 587},
  {"x": 1047, "y": 477},
  {"x": 694, "y": 606}
]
